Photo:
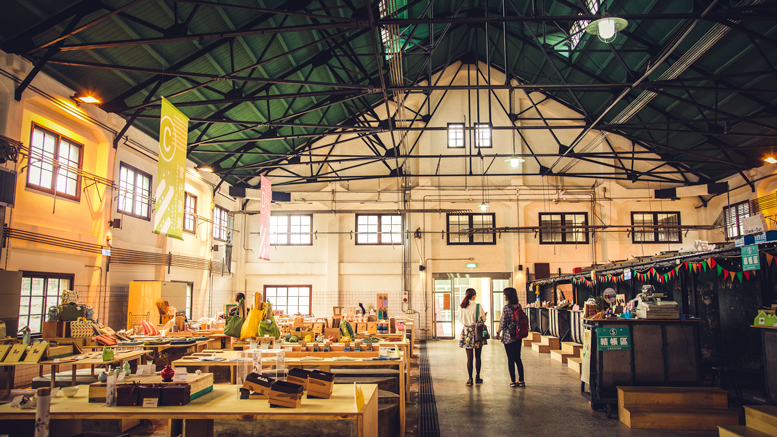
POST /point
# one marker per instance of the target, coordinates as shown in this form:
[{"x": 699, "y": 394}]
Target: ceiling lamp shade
[
  {"x": 515, "y": 161},
  {"x": 607, "y": 28},
  {"x": 483, "y": 206}
]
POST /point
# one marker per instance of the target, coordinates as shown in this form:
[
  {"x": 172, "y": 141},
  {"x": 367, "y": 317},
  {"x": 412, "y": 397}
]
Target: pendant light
[
  {"x": 606, "y": 28},
  {"x": 514, "y": 160}
]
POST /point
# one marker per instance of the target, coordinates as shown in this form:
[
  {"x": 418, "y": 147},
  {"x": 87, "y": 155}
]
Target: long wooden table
[
  {"x": 197, "y": 418},
  {"x": 324, "y": 364},
  {"x": 118, "y": 358},
  {"x": 155, "y": 349}
]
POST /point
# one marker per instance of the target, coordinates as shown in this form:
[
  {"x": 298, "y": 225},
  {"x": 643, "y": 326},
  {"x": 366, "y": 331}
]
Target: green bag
[
  {"x": 107, "y": 354},
  {"x": 346, "y": 329},
  {"x": 234, "y": 324},
  {"x": 268, "y": 325}
]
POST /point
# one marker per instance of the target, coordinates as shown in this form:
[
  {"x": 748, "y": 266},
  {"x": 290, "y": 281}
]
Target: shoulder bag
[
  {"x": 481, "y": 329},
  {"x": 233, "y": 325}
]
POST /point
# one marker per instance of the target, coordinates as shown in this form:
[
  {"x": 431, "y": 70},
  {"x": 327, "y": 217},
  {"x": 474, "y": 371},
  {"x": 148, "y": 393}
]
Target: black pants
[{"x": 514, "y": 359}]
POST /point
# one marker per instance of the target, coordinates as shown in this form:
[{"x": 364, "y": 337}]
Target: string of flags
[{"x": 652, "y": 274}]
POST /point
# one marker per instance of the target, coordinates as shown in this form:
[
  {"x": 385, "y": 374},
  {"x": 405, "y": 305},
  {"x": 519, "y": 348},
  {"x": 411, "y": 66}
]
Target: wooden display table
[
  {"x": 157, "y": 348},
  {"x": 769, "y": 345},
  {"x": 326, "y": 363},
  {"x": 197, "y": 418},
  {"x": 118, "y": 358}
]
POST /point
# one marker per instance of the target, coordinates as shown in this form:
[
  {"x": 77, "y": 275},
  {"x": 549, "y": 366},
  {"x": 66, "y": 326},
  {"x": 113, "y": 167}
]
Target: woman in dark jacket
[
  {"x": 507, "y": 330},
  {"x": 238, "y": 298}
]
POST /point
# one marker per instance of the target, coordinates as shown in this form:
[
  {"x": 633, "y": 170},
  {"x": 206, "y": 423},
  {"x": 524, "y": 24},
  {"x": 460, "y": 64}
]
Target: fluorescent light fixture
[
  {"x": 770, "y": 160},
  {"x": 472, "y": 265},
  {"x": 205, "y": 168}
]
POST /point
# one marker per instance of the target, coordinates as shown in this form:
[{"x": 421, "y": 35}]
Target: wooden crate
[
  {"x": 320, "y": 385},
  {"x": 201, "y": 384},
  {"x": 61, "y": 351},
  {"x": 258, "y": 391}
]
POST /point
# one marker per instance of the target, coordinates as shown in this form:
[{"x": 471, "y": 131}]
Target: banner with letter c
[
  {"x": 171, "y": 171},
  {"x": 264, "y": 218}
]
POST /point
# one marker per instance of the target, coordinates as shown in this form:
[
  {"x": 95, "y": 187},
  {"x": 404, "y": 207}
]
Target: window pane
[
  {"x": 482, "y": 135},
  {"x": 455, "y": 135},
  {"x": 37, "y": 286}
]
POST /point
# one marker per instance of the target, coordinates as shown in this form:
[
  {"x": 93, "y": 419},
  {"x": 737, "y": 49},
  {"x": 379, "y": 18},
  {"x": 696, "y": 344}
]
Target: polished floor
[{"x": 549, "y": 405}]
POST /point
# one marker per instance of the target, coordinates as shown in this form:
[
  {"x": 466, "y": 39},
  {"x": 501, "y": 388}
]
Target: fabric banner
[
  {"x": 171, "y": 173},
  {"x": 264, "y": 218}
]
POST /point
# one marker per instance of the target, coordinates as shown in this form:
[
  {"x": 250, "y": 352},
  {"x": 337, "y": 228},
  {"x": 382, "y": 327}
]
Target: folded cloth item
[
  {"x": 183, "y": 341},
  {"x": 105, "y": 340},
  {"x": 199, "y": 338},
  {"x": 130, "y": 343},
  {"x": 344, "y": 359},
  {"x": 157, "y": 342},
  {"x": 370, "y": 340}
]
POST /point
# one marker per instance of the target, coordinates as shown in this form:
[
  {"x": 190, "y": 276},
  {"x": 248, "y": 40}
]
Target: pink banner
[{"x": 264, "y": 217}]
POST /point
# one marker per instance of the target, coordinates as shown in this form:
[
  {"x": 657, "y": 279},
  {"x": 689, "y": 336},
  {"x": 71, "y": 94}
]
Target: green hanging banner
[{"x": 171, "y": 172}]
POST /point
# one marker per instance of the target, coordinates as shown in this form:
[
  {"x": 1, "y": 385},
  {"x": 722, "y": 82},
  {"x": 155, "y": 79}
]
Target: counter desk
[
  {"x": 662, "y": 352},
  {"x": 216, "y": 413}
]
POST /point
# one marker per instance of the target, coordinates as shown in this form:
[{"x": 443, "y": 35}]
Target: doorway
[{"x": 449, "y": 291}]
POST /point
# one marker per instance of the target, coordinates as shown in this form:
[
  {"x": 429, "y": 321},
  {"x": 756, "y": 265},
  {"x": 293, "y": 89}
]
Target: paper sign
[
  {"x": 36, "y": 352},
  {"x": 150, "y": 402},
  {"x": 181, "y": 377},
  {"x": 358, "y": 396},
  {"x": 750, "y": 258},
  {"x": 121, "y": 377},
  {"x": 446, "y": 301},
  {"x": 4, "y": 351},
  {"x": 17, "y": 401},
  {"x": 16, "y": 353},
  {"x": 110, "y": 391},
  {"x": 140, "y": 370},
  {"x": 54, "y": 392}
]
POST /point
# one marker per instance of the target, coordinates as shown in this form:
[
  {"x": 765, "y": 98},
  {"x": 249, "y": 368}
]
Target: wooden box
[
  {"x": 372, "y": 327},
  {"x": 175, "y": 394},
  {"x": 258, "y": 386},
  {"x": 332, "y": 332},
  {"x": 61, "y": 351},
  {"x": 320, "y": 384},
  {"x": 200, "y": 385},
  {"x": 298, "y": 376},
  {"x": 286, "y": 394},
  {"x": 361, "y": 328}
]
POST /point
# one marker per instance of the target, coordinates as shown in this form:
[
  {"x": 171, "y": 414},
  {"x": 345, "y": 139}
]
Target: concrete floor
[{"x": 549, "y": 405}]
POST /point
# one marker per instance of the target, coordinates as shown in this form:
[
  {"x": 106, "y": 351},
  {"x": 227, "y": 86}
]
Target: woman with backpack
[
  {"x": 469, "y": 315},
  {"x": 509, "y": 329}
]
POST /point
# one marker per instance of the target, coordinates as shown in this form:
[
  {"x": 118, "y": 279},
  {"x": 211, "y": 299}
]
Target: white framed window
[
  {"x": 378, "y": 229},
  {"x": 39, "y": 292},
  {"x": 291, "y": 230},
  {"x": 46, "y": 147},
  {"x": 134, "y": 192},
  {"x": 220, "y": 223},
  {"x": 455, "y": 135},
  {"x": 190, "y": 213},
  {"x": 482, "y": 135},
  {"x": 559, "y": 233},
  {"x": 734, "y": 215},
  {"x": 291, "y": 299}
]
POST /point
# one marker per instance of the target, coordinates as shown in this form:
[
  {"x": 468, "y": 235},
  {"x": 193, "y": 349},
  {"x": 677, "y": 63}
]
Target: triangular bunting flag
[
  {"x": 704, "y": 266},
  {"x": 769, "y": 259},
  {"x": 720, "y": 270},
  {"x": 747, "y": 275},
  {"x": 725, "y": 274},
  {"x": 686, "y": 265},
  {"x": 753, "y": 272},
  {"x": 739, "y": 276},
  {"x": 712, "y": 262}
]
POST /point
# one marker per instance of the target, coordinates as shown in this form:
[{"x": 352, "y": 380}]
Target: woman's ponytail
[{"x": 470, "y": 292}]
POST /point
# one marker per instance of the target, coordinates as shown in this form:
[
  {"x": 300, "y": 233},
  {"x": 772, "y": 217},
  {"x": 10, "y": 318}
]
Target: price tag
[
  {"x": 140, "y": 370},
  {"x": 54, "y": 392},
  {"x": 181, "y": 377},
  {"x": 121, "y": 377},
  {"x": 150, "y": 402}
]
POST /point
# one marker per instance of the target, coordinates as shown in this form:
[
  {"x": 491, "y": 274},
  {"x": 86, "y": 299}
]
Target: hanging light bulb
[
  {"x": 606, "y": 28},
  {"x": 515, "y": 161},
  {"x": 483, "y": 206}
]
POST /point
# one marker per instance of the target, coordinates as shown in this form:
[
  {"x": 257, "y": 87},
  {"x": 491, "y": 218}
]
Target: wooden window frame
[
  {"x": 380, "y": 233},
  {"x": 470, "y": 216},
  {"x": 53, "y": 189},
  {"x": 223, "y": 226},
  {"x": 193, "y": 214},
  {"x": 288, "y": 230},
  {"x": 463, "y": 135},
  {"x": 737, "y": 217},
  {"x": 563, "y": 230},
  {"x": 490, "y": 136},
  {"x": 308, "y": 286},
  {"x": 656, "y": 231},
  {"x": 148, "y": 200},
  {"x": 45, "y": 303}
]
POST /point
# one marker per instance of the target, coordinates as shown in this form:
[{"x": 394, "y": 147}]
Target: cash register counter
[{"x": 664, "y": 352}]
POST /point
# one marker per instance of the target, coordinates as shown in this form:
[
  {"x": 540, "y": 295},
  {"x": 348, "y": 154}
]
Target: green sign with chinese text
[{"x": 613, "y": 339}]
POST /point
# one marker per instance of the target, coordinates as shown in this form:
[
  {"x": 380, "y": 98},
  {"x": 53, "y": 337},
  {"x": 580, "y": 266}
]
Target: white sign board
[{"x": 754, "y": 224}]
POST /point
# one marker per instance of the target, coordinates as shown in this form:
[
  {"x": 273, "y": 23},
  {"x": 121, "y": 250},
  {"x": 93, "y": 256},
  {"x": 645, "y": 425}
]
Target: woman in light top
[{"x": 469, "y": 315}]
